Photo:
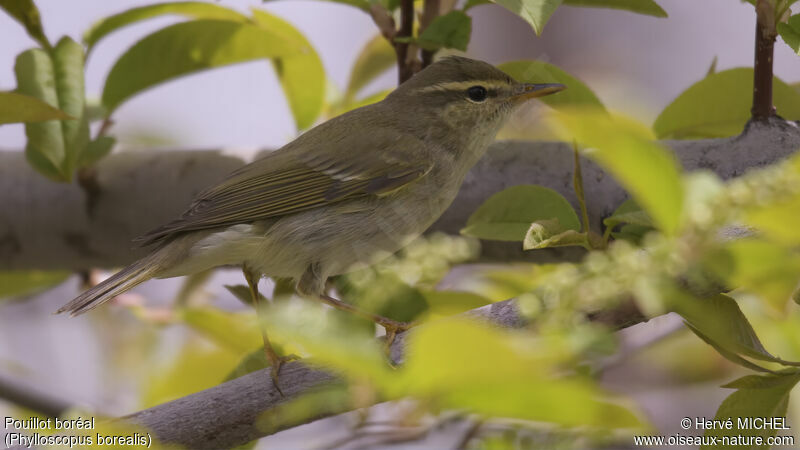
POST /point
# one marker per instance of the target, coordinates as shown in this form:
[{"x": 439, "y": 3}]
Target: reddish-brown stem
[
  {"x": 404, "y": 67},
  {"x": 763, "y": 108}
]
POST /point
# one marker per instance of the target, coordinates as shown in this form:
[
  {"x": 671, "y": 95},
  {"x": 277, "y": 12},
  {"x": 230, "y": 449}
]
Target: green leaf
[
  {"x": 253, "y": 361},
  {"x": 449, "y": 303},
  {"x": 16, "y": 108},
  {"x": 96, "y": 150},
  {"x": 22, "y": 282},
  {"x": 330, "y": 341},
  {"x": 237, "y": 332},
  {"x": 360, "y": 4},
  {"x": 756, "y": 396},
  {"x": 719, "y": 321},
  {"x": 197, "y": 366},
  {"x": 549, "y": 233},
  {"x": 26, "y": 13},
  {"x": 242, "y": 292},
  {"x": 535, "y": 12},
  {"x": 777, "y": 220},
  {"x": 194, "y": 10},
  {"x": 186, "y": 48},
  {"x": 454, "y": 360},
  {"x": 54, "y": 147},
  {"x": 628, "y": 151},
  {"x": 469, "y": 4},
  {"x": 628, "y": 212},
  {"x": 68, "y": 62},
  {"x": 719, "y": 106},
  {"x": 302, "y": 75},
  {"x": 374, "y": 59},
  {"x": 577, "y": 93},
  {"x": 507, "y": 215},
  {"x": 647, "y": 7},
  {"x": 386, "y": 295},
  {"x": 451, "y": 30},
  {"x": 790, "y": 32},
  {"x": 764, "y": 268}
]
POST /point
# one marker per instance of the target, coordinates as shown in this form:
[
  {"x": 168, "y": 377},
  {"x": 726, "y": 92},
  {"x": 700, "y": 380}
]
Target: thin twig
[
  {"x": 430, "y": 11},
  {"x": 763, "y": 107},
  {"x": 32, "y": 400},
  {"x": 404, "y": 66}
]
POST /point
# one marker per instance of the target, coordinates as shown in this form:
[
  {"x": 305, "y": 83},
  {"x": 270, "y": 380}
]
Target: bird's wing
[{"x": 290, "y": 180}]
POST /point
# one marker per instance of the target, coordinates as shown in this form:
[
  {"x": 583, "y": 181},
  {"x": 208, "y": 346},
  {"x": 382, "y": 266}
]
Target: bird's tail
[{"x": 120, "y": 282}]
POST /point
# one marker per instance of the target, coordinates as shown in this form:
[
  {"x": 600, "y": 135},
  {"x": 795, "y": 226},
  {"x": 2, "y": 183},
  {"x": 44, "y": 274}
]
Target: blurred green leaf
[
  {"x": 387, "y": 295},
  {"x": 253, "y": 361},
  {"x": 469, "y": 4},
  {"x": 197, "y": 366},
  {"x": 330, "y": 342},
  {"x": 26, "y": 13},
  {"x": 16, "y": 108},
  {"x": 237, "y": 332},
  {"x": 577, "y": 93},
  {"x": 647, "y": 7},
  {"x": 756, "y": 396},
  {"x": 302, "y": 75},
  {"x": 629, "y": 152},
  {"x": 195, "y": 10},
  {"x": 242, "y": 292},
  {"x": 360, "y": 4},
  {"x": 316, "y": 403},
  {"x": 635, "y": 222},
  {"x": 375, "y": 58},
  {"x": 55, "y": 147},
  {"x": 186, "y": 48},
  {"x": 507, "y": 215},
  {"x": 719, "y": 106},
  {"x": 535, "y": 12},
  {"x": 22, "y": 282},
  {"x": 790, "y": 32},
  {"x": 764, "y": 268},
  {"x": 777, "y": 220},
  {"x": 550, "y": 233},
  {"x": 454, "y": 360},
  {"x": 451, "y": 30},
  {"x": 628, "y": 212},
  {"x": 450, "y": 303},
  {"x": 96, "y": 150},
  {"x": 719, "y": 320}
]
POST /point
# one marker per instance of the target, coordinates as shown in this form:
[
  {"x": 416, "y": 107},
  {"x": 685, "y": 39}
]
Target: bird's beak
[{"x": 526, "y": 90}]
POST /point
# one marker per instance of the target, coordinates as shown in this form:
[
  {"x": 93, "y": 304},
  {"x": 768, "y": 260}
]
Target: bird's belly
[
  {"x": 338, "y": 238},
  {"x": 345, "y": 237}
]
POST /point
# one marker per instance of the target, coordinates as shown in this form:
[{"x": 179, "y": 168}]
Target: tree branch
[
  {"x": 238, "y": 411},
  {"x": 31, "y": 399},
  {"x": 51, "y": 226}
]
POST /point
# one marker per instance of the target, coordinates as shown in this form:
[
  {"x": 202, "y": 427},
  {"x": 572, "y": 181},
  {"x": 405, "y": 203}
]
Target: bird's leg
[
  {"x": 275, "y": 361},
  {"x": 312, "y": 284}
]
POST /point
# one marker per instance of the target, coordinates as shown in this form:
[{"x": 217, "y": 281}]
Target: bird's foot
[
  {"x": 393, "y": 327},
  {"x": 275, "y": 364}
]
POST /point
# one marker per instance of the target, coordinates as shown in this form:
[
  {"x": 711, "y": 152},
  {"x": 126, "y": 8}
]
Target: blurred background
[{"x": 635, "y": 63}]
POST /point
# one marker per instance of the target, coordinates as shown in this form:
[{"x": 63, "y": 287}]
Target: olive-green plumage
[{"x": 346, "y": 193}]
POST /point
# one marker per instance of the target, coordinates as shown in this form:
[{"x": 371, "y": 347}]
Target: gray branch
[
  {"x": 48, "y": 225},
  {"x": 233, "y": 413}
]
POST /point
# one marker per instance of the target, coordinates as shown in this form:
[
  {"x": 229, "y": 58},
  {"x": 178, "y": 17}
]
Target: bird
[{"x": 341, "y": 196}]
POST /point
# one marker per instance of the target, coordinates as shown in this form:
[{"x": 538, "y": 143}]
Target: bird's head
[{"x": 466, "y": 94}]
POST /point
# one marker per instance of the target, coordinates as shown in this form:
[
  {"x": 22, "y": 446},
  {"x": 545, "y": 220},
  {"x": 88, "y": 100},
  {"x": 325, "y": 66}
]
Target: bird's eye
[{"x": 477, "y": 93}]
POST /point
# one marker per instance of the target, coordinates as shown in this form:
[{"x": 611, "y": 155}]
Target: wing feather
[{"x": 289, "y": 181}]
